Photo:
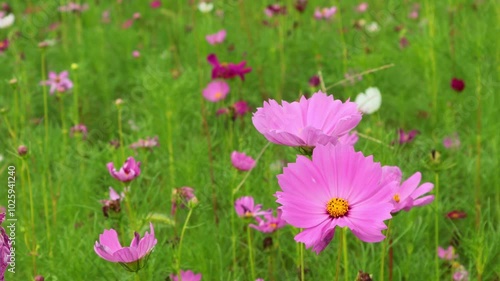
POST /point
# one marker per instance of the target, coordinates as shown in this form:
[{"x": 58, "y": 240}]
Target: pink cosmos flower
[
  {"x": 403, "y": 42},
  {"x": 407, "y": 137},
  {"x": 81, "y": 129},
  {"x": 4, "y": 45},
  {"x": 241, "y": 161},
  {"x": 156, "y": 4},
  {"x": 105, "y": 17},
  {"x": 134, "y": 257},
  {"x": 182, "y": 197},
  {"x": 300, "y": 5},
  {"x": 129, "y": 171},
  {"x": 448, "y": 254},
  {"x": 74, "y": 7},
  {"x": 457, "y": 84},
  {"x": 4, "y": 248},
  {"x": 136, "y": 16},
  {"x": 452, "y": 141},
  {"x": 136, "y": 54},
  {"x": 147, "y": 143},
  {"x": 314, "y": 81},
  {"x": 275, "y": 9},
  {"x": 362, "y": 7},
  {"x": 241, "y": 108},
  {"x": 113, "y": 203},
  {"x": 270, "y": 223},
  {"x": 246, "y": 208},
  {"x": 338, "y": 187},
  {"x": 216, "y": 38},
  {"x": 407, "y": 195},
  {"x": 216, "y": 91},
  {"x": 460, "y": 274},
  {"x": 227, "y": 70},
  {"x": 58, "y": 82},
  {"x": 456, "y": 214},
  {"x": 325, "y": 13},
  {"x": 128, "y": 23},
  {"x": 349, "y": 139},
  {"x": 187, "y": 275},
  {"x": 318, "y": 120}
]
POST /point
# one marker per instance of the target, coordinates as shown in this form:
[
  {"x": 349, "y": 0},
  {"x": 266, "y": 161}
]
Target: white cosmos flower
[
  {"x": 6, "y": 20},
  {"x": 372, "y": 27},
  {"x": 369, "y": 101},
  {"x": 205, "y": 7}
]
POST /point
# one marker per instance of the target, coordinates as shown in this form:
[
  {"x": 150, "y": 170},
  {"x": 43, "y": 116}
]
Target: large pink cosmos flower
[
  {"x": 133, "y": 258},
  {"x": 227, "y": 70},
  {"x": 4, "y": 248},
  {"x": 241, "y": 161},
  {"x": 216, "y": 38},
  {"x": 129, "y": 171},
  {"x": 270, "y": 223},
  {"x": 338, "y": 187},
  {"x": 307, "y": 123},
  {"x": 246, "y": 208},
  {"x": 187, "y": 275},
  {"x": 407, "y": 195},
  {"x": 216, "y": 91},
  {"x": 59, "y": 82}
]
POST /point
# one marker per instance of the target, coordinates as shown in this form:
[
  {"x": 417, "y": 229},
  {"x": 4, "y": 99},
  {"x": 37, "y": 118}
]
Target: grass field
[{"x": 137, "y": 71}]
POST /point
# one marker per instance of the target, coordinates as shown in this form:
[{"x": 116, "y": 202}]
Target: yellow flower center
[
  {"x": 273, "y": 225},
  {"x": 337, "y": 207},
  {"x": 218, "y": 95},
  {"x": 396, "y": 198},
  {"x": 2, "y": 44}
]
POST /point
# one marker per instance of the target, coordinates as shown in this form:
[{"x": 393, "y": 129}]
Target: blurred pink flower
[
  {"x": 404, "y": 137},
  {"x": 4, "y": 45},
  {"x": 129, "y": 171},
  {"x": 147, "y": 143},
  {"x": 4, "y": 248},
  {"x": 452, "y": 141},
  {"x": 241, "y": 108},
  {"x": 58, "y": 82},
  {"x": 182, "y": 197},
  {"x": 136, "y": 16},
  {"x": 241, "y": 161},
  {"x": 134, "y": 257},
  {"x": 460, "y": 273},
  {"x": 457, "y": 84},
  {"x": 156, "y": 4},
  {"x": 246, "y": 208},
  {"x": 275, "y": 9},
  {"x": 362, "y": 7},
  {"x": 448, "y": 254},
  {"x": 74, "y": 7},
  {"x": 216, "y": 38},
  {"x": 187, "y": 275},
  {"x": 300, "y": 5},
  {"x": 227, "y": 70},
  {"x": 314, "y": 81},
  {"x": 128, "y": 23},
  {"x": 456, "y": 214},
  {"x": 403, "y": 42},
  {"x": 80, "y": 128},
  {"x": 105, "y": 17},
  {"x": 318, "y": 120},
  {"x": 270, "y": 223},
  {"x": 338, "y": 187},
  {"x": 113, "y": 203},
  {"x": 136, "y": 54},
  {"x": 216, "y": 91},
  {"x": 324, "y": 13}
]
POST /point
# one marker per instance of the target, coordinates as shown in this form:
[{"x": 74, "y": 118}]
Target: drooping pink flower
[
  {"x": 246, "y": 208},
  {"x": 4, "y": 248},
  {"x": 4, "y": 45},
  {"x": 448, "y": 254},
  {"x": 58, "y": 82},
  {"x": 325, "y": 13},
  {"x": 134, "y": 257},
  {"x": 269, "y": 223},
  {"x": 187, "y": 275},
  {"x": 80, "y": 129},
  {"x": 457, "y": 84},
  {"x": 318, "y": 120},
  {"x": 362, "y": 7},
  {"x": 216, "y": 38},
  {"x": 227, "y": 70},
  {"x": 156, "y": 4},
  {"x": 182, "y": 197},
  {"x": 456, "y": 214},
  {"x": 216, "y": 91},
  {"x": 275, "y": 9},
  {"x": 452, "y": 141},
  {"x": 146, "y": 143},
  {"x": 300, "y": 5},
  {"x": 404, "y": 137},
  {"x": 349, "y": 139},
  {"x": 408, "y": 194},
  {"x": 241, "y": 161},
  {"x": 338, "y": 187},
  {"x": 129, "y": 171},
  {"x": 314, "y": 81},
  {"x": 113, "y": 203}
]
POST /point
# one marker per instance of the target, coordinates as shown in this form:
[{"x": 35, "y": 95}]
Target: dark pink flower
[
  {"x": 403, "y": 42},
  {"x": 147, "y": 143},
  {"x": 227, "y": 70},
  {"x": 58, "y": 82},
  {"x": 129, "y": 171},
  {"x": 270, "y": 223},
  {"x": 241, "y": 161},
  {"x": 216, "y": 91},
  {"x": 275, "y": 9},
  {"x": 406, "y": 137},
  {"x": 448, "y": 254},
  {"x": 4, "y": 45},
  {"x": 314, "y": 81},
  {"x": 301, "y": 5},
  {"x": 241, "y": 108},
  {"x": 4, "y": 248},
  {"x": 457, "y": 84},
  {"x": 134, "y": 257},
  {"x": 246, "y": 208},
  {"x": 81, "y": 129},
  {"x": 216, "y": 38},
  {"x": 187, "y": 275},
  {"x": 113, "y": 203},
  {"x": 456, "y": 214},
  {"x": 156, "y": 4}
]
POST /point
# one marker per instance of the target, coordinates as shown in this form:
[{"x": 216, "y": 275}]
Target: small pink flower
[
  {"x": 461, "y": 274},
  {"x": 448, "y": 254},
  {"x": 128, "y": 23},
  {"x": 4, "y": 45},
  {"x": 136, "y": 16},
  {"x": 246, "y": 208},
  {"x": 216, "y": 91},
  {"x": 361, "y": 8},
  {"x": 147, "y": 143},
  {"x": 156, "y": 4},
  {"x": 325, "y": 13},
  {"x": 300, "y": 5},
  {"x": 74, "y": 7},
  {"x": 407, "y": 137},
  {"x": 270, "y": 223},
  {"x": 314, "y": 81},
  {"x": 129, "y": 171},
  {"x": 134, "y": 257},
  {"x": 113, "y": 203},
  {"x": 182, "y": 197},
  {"x": 216, "y": 38},
  {"x": 452, "y": 141},
  {"x": 241, "y": 161},
  {"x": 457, "y": 84},
  {"x": 403, "y": 42},
  {"x": 58, "y": 82},
  {"x": 187, "y": 275},
  {"x": 456, "y": 214},
  {"x": 136, "y": 54},
  {"x": 227, "y": 70},
  {"x": 275, "y": 9},
  {"x": 413, "y": 14},
  {"x": 240, "y": 108},
  {"x": 105, "y": 17},
  {"x": 81, "y": 129}
]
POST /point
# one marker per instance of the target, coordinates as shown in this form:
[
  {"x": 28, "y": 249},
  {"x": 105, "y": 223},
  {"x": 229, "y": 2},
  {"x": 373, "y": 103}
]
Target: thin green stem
[
  {"x": 436, "y": 223},
  {"x": 250, "y": 252},
  {"x": 120, "y": 131},
  {"x": 248, "y": 173},
  {"x": 346, "y": 260},
  {"x": 181, "y": 238},
  {"x": 32, "y": 216},
  {"x": 45, "y": 100},
  {"x": 301, "y": 261},
  {"x": 76, "y": 88},
  {"x": 337, "y": 267}
]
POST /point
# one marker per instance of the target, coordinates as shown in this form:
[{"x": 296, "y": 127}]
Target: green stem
[
  {"x": 45, "y": 100},
  {"x": 76, "y": 117},
  {"x": 436, "y": 223},
  {"x": 346, "y": 260},
  {"x": 301, "y": 261},
  {"x": 181, "y": 238},
  {"x": 120, "y": 132},
  {"x": 32, "y": 216},
  {"x": 250, "y": 252}
]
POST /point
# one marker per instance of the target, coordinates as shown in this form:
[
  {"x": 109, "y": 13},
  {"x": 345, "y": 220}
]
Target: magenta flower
[
  {"x": 269, "y": 224},
  {"x": 58, "y": 82},
  {"x": 338, "y": 187},
  {"x": 448, "y": 254},
  {"x": 241, "y": 161},
  {"x": 246, "y": 208},
  {"x": 349, "y": 139},
  {"x": 187, "y": 275},
  {"x": 182, "y": 197},
  {"x": 406, "y": 137},
  {"x": 318, "y": 120},
  {"x": 113, "y": 203},
  {"x": 4, "y": 45},
  {"x": 456, "y": 215},
  {"x": 457, "y": 84},
  {"x": 241, "y": 108},
  {"x": 275, "y": 9},
  {"x": 80, "y": 129},
  {"x": 227, "y": 70},
  {"x": 74, "y": 7},
  {"x": 156, "y": 4},
  {"x": 452, "y": 141},
  {"x": 325, "y": 13},
  {"x": 407, "y": 195},
  {"x": 129, "y": 171},
  {"x": 216, "y": 38},
  {"x": 147, "y": 143},
  {"x": 4, "y": 248},
  {"x": 216, "y": 91},
  {"x": 300, "y": 5},
  {"x": 314, "y": 81},
  {"x": 134, "y": 257}
]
